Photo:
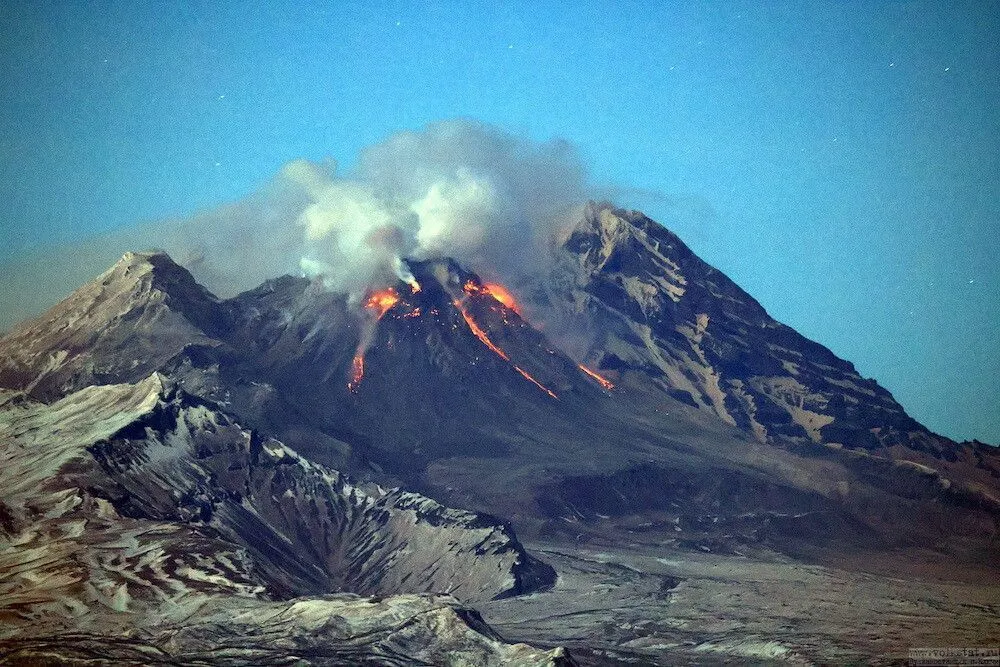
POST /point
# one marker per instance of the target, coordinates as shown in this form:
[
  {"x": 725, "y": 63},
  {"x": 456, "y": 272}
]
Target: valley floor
[{"x": 651, "y": 605}]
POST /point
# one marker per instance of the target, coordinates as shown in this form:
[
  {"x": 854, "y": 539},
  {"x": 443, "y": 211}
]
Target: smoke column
[{"x": 492, "y": 200}]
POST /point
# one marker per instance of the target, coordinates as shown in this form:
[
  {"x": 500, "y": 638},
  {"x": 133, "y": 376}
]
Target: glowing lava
[
  {"x": 600, "y": 380},
  {"x": 357, "y": 371},
  {"x": 495, "y": 290},
  {"x": 503, "y": 295},
  {"x": 380, "y": 301},
  {"x": 481, "y": 335},
  {"x": 535, "y": 382}
]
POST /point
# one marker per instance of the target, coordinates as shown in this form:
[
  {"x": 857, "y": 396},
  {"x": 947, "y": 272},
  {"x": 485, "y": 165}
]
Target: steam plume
[
  {"x": 491, "y": 200},
  {"x": 461, "y": 189}
]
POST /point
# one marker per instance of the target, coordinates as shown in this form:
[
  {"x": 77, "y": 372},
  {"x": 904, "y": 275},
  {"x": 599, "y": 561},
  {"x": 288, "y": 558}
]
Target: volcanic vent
[{"x": 448, "y": 299}]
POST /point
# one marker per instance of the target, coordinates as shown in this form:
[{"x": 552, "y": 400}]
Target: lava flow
[
  {"x": 538, "y": 384},
  {"x": 503, "y": 295},
  {"x": 481, "y": 335},
  {"x": 378, "y": 302},
  {"x": 600, "y": 380},
  {"x": 495, "y": 290},
  {"x": 357, "y": 371}
]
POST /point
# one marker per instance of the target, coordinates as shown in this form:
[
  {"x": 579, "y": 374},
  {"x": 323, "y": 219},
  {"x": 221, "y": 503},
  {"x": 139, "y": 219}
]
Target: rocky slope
[
  {"x": 120, "y": 327},
  {"x": 489, "y": 372},
  {"x": 651, "y": 304},
  {"x": 651, "y": 307},
  {"x": 127, "y": 501},
  {"x": 516, "y": 427},
  {"x": 327, "y": 630}
]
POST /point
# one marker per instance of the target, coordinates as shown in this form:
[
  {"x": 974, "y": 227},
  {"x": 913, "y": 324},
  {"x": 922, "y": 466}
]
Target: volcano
[
  {"x": 487, "y": 369},
  {"x": 629, "y": 407}
]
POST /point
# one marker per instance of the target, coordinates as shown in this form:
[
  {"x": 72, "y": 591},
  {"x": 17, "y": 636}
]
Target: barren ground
[{"x": 643, "y": 604}]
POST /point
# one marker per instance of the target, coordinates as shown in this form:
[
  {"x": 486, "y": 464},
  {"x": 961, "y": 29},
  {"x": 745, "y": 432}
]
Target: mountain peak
[
  {"x": 119, "y": 327},
  {"x": 155, "y": 270},
  {"x": 142, "y": 257},
  {"x": 611, "y": 239},
  {"x": 441, "y": 274},
  {"x": 660, "y": 309},
  {"x": 134, "y": 265}
]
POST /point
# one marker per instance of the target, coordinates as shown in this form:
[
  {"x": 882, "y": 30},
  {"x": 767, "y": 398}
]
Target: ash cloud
[{"x": 493, "y": 201}]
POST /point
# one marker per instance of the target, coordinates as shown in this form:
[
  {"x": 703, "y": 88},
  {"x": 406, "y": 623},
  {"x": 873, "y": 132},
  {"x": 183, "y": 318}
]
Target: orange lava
[
  {"x": 601, "y": 381},
  {"x": 380, "y": 301},
  {"x": 535, "y": 382},
  {"x": 495, "y": 290},
  {"x": 481, "y": 335},
  {"x": 357, "y": 371},
  {"x": 503, "y": 295}
]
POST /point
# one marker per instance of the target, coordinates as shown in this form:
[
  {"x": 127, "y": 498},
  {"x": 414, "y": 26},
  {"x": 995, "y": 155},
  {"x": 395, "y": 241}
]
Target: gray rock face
[
  {"x": 463, "y": 398},
  {"x": 651, "y": 306},
  {"x": 141, "y": 499},
  {"x": 120, "y": 327},
  {"x": 654, "y": 306},
  {"x": 327, "y": 630}
]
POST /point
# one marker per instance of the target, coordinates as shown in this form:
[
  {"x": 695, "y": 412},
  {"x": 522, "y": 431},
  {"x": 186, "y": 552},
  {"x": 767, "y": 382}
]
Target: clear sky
[{"x": 840, "y": 161}]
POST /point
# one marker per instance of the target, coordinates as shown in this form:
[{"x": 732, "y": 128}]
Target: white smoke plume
[
  {"x": 492, "y": 200},
  {"x": 461, "y": 189}
]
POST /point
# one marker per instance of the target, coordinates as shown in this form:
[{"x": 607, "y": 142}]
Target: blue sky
[{"x": 840, "y": 161}]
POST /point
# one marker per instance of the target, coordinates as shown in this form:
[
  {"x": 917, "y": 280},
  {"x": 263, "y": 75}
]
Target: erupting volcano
[
  {"x": 498, "y": 301},
  {"x": 726, "y": 443}
]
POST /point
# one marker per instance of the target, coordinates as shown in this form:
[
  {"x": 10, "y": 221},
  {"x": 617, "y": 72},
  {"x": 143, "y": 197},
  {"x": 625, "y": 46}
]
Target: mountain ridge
[
  {"x": 142, "y": 501},
  {"x": 613, "y": 256},
  {"x": 668, "y": 326},
  {"x": 169, "y": 450}
]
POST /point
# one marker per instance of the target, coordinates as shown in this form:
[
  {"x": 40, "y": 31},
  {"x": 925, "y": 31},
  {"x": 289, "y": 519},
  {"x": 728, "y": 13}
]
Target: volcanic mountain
[
  {"x": 434, "y": 381},
  {"x": 651, "y": 305},
  {"x": 681, "y": 411}
]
